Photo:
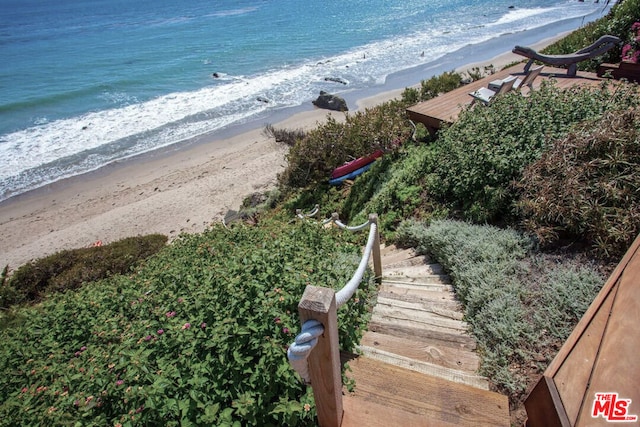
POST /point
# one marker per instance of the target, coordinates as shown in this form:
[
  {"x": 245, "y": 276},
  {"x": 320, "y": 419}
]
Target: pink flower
[
  {"x": 171, "y": 314},
  {"x": 285, "y": 330},
  {"x": 119, "y": 382},
  {"x": 148, "y": 338},
  {"x": 160, "y": 331},
  {"x": 186, "y": 326},
  {"x": 203, "y": 325},
  {"x": 83, "y": 348},
  {"x": 277, "y": 320}
]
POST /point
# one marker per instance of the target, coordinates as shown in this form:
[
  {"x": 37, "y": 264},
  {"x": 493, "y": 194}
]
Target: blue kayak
[{"x": 339, "y": 180}]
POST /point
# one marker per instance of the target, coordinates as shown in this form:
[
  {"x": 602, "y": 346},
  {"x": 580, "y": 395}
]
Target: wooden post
[
  {"x": 324, "y": 360},
  {"x": 377, "y": 260}
]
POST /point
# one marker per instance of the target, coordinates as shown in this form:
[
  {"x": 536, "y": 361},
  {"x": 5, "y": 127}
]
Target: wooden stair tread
[
  {"x": 432, "y": 293},
  {"x": 417, "y": 319},
  {"x": 387, "y": 395},
  {"x": 454, "y": 338},
  {"x": 413, "y": 268},
  {"x": 433, "y": 283},
  {"x": 392, "y": 250},
  {"x": 436, "y": 308},
  {"x": 436, "y": 300},
  {"x": 400, "y": 256},
  {"x": 426, "y": 368},
  {"x": 433, "y": 351}
]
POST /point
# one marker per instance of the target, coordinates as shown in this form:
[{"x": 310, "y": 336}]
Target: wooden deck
[
  {"x": 599, "y": 357},
  {"x": 418, "y": 365},
  {"x": 446, "y": 107}
]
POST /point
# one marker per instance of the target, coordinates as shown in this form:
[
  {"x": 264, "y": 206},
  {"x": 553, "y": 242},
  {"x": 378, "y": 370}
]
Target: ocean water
[{"x": 84, "y": 83}]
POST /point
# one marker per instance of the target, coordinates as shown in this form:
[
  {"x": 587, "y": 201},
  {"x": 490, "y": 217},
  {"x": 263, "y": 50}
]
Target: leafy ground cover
[
  {"x": 67, "y": 270},
  {"x": 197, "y": 336}
]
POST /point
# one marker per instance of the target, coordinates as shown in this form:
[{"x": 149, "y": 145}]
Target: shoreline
[{"x": 181, "y": 189}]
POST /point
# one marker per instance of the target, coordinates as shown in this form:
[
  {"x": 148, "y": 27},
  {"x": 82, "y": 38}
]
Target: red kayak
[{"x": 356, "y": 164}]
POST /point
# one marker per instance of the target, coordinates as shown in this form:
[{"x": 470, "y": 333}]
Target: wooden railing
[{"x": 320, "y": 305}]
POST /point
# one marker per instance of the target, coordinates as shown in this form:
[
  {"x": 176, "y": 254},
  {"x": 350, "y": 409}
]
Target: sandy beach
[{"x": 172, "y": 192}]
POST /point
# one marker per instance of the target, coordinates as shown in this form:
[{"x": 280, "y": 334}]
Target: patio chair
[
  {"x": 571, "y": 60},
  {"x": 486, "y": 95},
  {"x": 519, "y": 83}
]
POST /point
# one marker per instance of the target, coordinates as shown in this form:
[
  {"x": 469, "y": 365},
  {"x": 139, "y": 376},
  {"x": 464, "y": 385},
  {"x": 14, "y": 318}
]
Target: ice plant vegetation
[{"x": 218, "y": 359}]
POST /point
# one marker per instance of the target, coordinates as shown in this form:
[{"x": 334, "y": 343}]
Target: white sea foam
[{"x": 520, "y": 14}]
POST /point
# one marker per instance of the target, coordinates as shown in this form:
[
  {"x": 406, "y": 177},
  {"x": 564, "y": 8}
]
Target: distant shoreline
[{"x": 184, "y": 188}]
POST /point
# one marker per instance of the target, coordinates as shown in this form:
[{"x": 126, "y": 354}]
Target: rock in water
[
  {"x": 330, "y": 102},
  {"x": 336, "y": 80}
]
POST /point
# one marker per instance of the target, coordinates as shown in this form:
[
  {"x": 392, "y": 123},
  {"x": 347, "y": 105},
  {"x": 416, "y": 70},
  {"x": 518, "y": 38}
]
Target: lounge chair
[
  {"x": 519, "y": 83},
  {"x": 571, "y": 60},
  {"x": 486, "y": 95}
]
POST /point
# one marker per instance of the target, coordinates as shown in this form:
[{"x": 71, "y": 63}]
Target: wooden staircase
[{"x": 417, "y": 365}]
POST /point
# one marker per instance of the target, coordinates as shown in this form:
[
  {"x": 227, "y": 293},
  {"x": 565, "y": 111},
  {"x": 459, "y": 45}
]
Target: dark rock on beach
[
  {"x": 335, "y": 80},
  {"x": 330, "y": 102}
]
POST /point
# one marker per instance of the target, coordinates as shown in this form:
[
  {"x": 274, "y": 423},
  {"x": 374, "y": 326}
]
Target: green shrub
[
  {"x": 311, "y": 159},
  {"x": 197, "y": 336},
  {"x": 432, "y": 87},
  {"x": 69, "y": 269},
  {"x": 477, "y": 158},
  {"x": 394, "y": 190},
  {"x": 585, "y": 187}
]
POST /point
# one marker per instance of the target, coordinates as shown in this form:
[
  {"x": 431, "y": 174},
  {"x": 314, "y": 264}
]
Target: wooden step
[
  {"x": 413, "y": 267},
  {"x": 437, "y": 299},
  {"x": 401, "y": 255},
  {"x": 418, "y": 291},
  {"x": 432, "y": 351},
  {"x": 434, "y": 308},
  {"x": 406, "y": 260},
  {"x": 454, "y": 339},
  {"x": 425, "y": 278},
  {"x": 417, "y": 319},
  {"x": 387, "y": 395},
  {"x": 392, "y": 249},
  {"x": 431, "y": 369},
  {"x": 433, "y": 283}
]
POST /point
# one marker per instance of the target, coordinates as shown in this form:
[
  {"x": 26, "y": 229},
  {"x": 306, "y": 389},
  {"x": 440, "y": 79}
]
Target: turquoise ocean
[{"x": 86, "y": 83}]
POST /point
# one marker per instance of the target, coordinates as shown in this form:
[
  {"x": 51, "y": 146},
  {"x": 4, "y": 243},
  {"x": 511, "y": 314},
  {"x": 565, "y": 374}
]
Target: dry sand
[{"x": 168, "y": 193}]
